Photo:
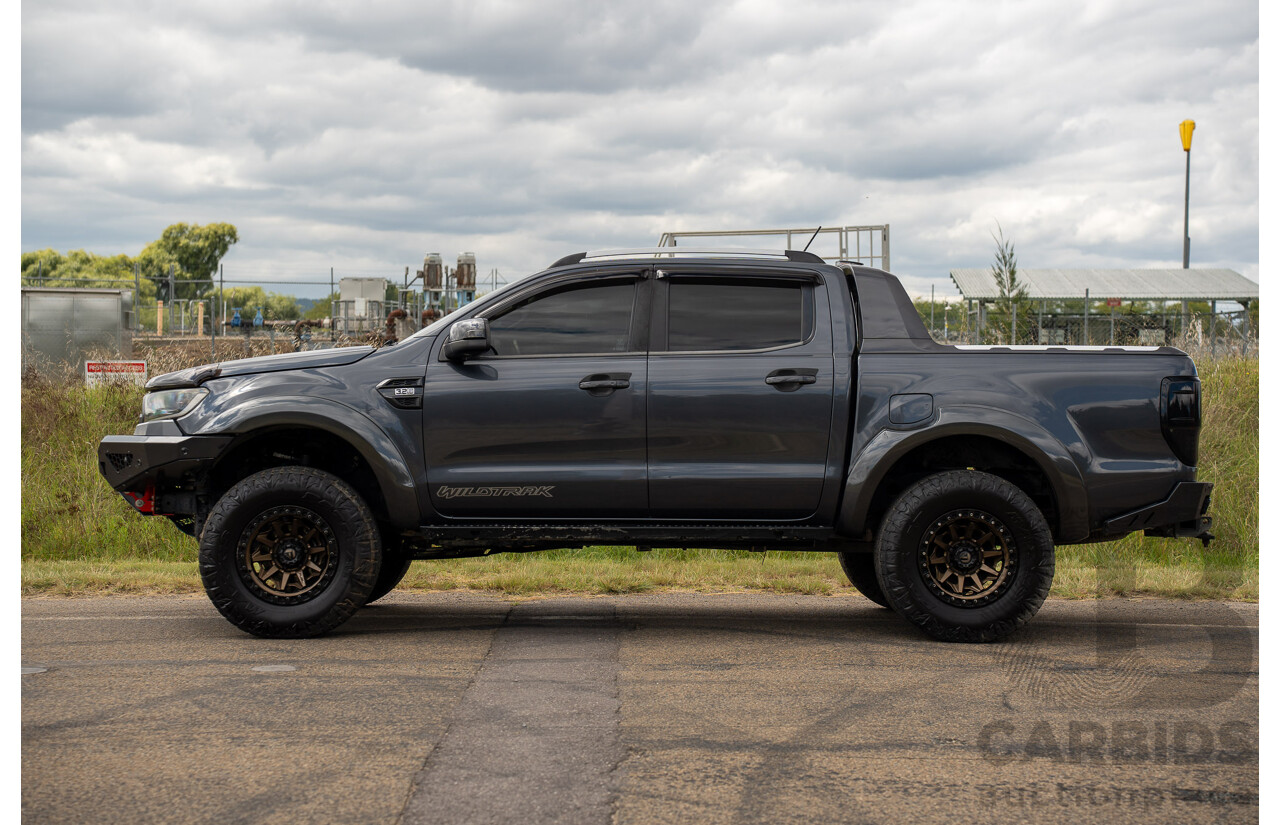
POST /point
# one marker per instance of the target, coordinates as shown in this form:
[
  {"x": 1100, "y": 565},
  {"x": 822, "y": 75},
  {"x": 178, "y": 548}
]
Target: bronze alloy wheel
[
  {"x": 967, "y": 558},
  {"x": 288, "y": 555}
]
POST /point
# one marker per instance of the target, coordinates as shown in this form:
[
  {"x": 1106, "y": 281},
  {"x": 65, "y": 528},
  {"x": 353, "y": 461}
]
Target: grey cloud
[{"x": 523, "y": 132}]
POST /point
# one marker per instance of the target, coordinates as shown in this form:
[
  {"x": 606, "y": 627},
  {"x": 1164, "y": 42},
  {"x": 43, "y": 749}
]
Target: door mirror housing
[{"x": 467, "y": 339}]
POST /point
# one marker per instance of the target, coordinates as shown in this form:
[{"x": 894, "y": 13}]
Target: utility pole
[{"x": 1185, "y": 129}]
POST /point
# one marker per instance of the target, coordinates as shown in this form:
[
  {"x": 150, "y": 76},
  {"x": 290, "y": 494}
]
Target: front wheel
[
  {"x": 289, "y": 552},
  {"x": 861, "y": 570},
  {"x": 965, "y": 556}
]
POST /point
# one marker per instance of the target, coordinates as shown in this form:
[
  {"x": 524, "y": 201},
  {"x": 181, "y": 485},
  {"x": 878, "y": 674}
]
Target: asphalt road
[{"x": 662, "y": 708}]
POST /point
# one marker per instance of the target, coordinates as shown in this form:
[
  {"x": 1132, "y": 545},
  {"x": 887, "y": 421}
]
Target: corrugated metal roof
[{"x": 1128, "y": 284}]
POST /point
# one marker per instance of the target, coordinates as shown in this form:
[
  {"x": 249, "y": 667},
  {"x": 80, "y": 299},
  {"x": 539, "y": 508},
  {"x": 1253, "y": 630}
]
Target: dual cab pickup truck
[{"x": 669, "y": 398}]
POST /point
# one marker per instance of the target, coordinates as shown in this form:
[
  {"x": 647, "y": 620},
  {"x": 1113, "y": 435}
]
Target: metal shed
[
  {"x": 62, "y": 325},
  {"x": 1125, "y": 284},
  {"x": 1116, "y": 287}
]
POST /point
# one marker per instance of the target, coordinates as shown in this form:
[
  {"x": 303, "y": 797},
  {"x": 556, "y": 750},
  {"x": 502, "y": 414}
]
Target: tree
[
  {"x": 322, "y": 308},
  {"x": 193, "y": 250},
  {"x": 1013, "y": 295},
  {"x": 252, "y": 298},
  {"x": 76, "y": 268},
  {"x": 1005, "y": 270}
]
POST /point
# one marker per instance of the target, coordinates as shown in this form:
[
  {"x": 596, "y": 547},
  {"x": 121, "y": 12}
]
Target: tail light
[{"x": 1180, "y": 417}]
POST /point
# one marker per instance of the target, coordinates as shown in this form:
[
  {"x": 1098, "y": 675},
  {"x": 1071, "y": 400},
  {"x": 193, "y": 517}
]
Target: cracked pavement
[{"x": 454, "y": 707}]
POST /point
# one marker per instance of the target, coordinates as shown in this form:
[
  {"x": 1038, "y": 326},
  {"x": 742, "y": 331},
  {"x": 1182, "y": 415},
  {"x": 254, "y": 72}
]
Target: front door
[
  {"x": 552, "y": 423},
  {"x": 740, "y": 394}
]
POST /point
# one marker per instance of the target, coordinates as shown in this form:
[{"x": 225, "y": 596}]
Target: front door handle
[
  {"x": 605, "y": 383},
  {"x": 788, "y": 380}
]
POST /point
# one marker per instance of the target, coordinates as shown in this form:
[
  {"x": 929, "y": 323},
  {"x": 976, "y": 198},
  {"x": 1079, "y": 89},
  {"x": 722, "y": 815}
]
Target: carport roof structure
[{"x": 1126, "y": 284}]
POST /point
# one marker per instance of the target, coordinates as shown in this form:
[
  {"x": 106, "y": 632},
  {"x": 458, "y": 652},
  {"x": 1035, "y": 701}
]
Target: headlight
[{"x": 171, "y": 403}]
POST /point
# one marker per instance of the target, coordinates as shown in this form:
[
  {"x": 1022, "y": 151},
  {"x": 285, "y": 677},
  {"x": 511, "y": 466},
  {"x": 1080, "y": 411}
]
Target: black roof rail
[{"x": 569, "y": 259}]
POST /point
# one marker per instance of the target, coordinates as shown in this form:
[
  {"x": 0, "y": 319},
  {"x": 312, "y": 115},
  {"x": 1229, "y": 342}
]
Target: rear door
[
  {"x": 552, "y": 423},
  {"x": 740, "y": 394}
]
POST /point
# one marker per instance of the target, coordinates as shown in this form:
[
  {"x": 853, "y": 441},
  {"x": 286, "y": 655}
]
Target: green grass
[{"x": 80, "y": 537}]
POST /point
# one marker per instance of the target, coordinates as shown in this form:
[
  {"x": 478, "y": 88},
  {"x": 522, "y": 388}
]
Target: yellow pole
[
  {"x": 159, "y": 317},
  {"x": 200, "y": 319},
  {"x": 1185, "y": 129}
]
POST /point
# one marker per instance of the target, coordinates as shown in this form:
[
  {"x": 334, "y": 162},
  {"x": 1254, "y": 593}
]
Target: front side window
[
  {"x": 577, "y": 320},
  {"x": 727, "y": 315}
]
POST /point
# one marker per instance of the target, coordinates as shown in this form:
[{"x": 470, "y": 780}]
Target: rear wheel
[
  {"x": 965, "y": 556},
  {"x": 393, "y": 570},
  {"x": 289, "y": 552},
  {"x": 861, "y": 570}
]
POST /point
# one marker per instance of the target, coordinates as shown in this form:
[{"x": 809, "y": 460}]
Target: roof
[{"x": 1129, "y": 284}]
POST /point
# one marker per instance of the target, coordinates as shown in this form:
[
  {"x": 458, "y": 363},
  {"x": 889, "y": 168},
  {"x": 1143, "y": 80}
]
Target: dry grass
[
  {"x": 80, "y": 537},
  {"x": 601, "y": 571}
]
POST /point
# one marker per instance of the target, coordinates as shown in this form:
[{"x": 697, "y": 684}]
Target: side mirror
[{"x": 466, "y": 339}]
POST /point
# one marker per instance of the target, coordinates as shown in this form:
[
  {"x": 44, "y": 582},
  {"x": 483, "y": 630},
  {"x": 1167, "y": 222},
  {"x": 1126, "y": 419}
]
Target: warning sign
[
  {"x": 1113, "y": 302},
  {"x": 99, "y": 372}
]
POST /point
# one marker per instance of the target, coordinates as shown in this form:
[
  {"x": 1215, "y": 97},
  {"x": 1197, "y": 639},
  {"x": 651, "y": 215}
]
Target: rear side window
[
  {"x": 736, "y": 315},
  {"x": 590, "y": 319}
]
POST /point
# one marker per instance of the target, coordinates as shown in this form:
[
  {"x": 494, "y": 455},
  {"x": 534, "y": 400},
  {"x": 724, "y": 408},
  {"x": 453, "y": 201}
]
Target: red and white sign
[
  {"x": 1113, "y": 302},
  {"x": 131, "y": 372}
]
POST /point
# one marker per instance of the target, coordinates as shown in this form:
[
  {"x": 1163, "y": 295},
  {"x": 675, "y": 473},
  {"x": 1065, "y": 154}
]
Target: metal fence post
[
  {"x": 1213, "y": 329},
  {"x": 1244, "y": 346},
  {"x": 171, "y": 299},
  {"x": 1086, "y": 318}
]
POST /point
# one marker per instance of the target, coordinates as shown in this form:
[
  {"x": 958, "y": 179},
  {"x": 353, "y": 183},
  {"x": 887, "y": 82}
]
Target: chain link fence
[
  {"x": 212, "y": 314},
  {"x": 1202, "y": 334}
]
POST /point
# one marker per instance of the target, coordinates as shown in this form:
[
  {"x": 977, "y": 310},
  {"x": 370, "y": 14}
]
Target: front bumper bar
[
  {"x": 131, "y": 463},
  {"x": 1184, "y": 514}
]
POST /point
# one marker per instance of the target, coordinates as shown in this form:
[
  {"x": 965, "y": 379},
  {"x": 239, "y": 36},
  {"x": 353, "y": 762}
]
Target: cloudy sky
[{"x": 363, "y": 136}]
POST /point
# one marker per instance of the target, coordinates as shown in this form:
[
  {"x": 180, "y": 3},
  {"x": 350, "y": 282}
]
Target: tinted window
[
  {"x": 734, "y": 316},
  {"x": 586, "y": 319}
]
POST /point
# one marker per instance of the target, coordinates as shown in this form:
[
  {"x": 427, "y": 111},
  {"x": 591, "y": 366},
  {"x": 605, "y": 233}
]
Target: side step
[{"x": 514, "y": 536}]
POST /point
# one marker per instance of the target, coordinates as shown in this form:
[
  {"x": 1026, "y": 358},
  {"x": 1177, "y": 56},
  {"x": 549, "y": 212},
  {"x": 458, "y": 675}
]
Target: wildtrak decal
[{"x": 493, "y": 492}]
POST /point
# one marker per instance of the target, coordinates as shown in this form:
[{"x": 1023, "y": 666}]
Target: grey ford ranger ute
[{"x": 669, "y": 398}]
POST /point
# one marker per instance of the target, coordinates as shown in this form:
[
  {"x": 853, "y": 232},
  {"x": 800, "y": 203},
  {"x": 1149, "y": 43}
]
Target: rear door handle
[
  {"x": 604, "y": 383},
  {"x": 789, "y": 380}
]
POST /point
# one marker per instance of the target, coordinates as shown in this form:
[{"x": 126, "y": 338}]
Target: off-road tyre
[
  {"x": 919, "y": 557},
  {"x": 861, "y": 570},
  {"x": 296, "y": 519},
  {"x": 391, "y": 573}
]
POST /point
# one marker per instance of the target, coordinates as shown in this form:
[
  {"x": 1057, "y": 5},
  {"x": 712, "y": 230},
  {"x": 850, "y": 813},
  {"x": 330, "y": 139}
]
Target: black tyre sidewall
[
  {"x": 904, "y": 527},
  {"x": 354, "y": 529},
  {"x": 860, "y": 568},
  {"x": 393, "y": 570}
]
